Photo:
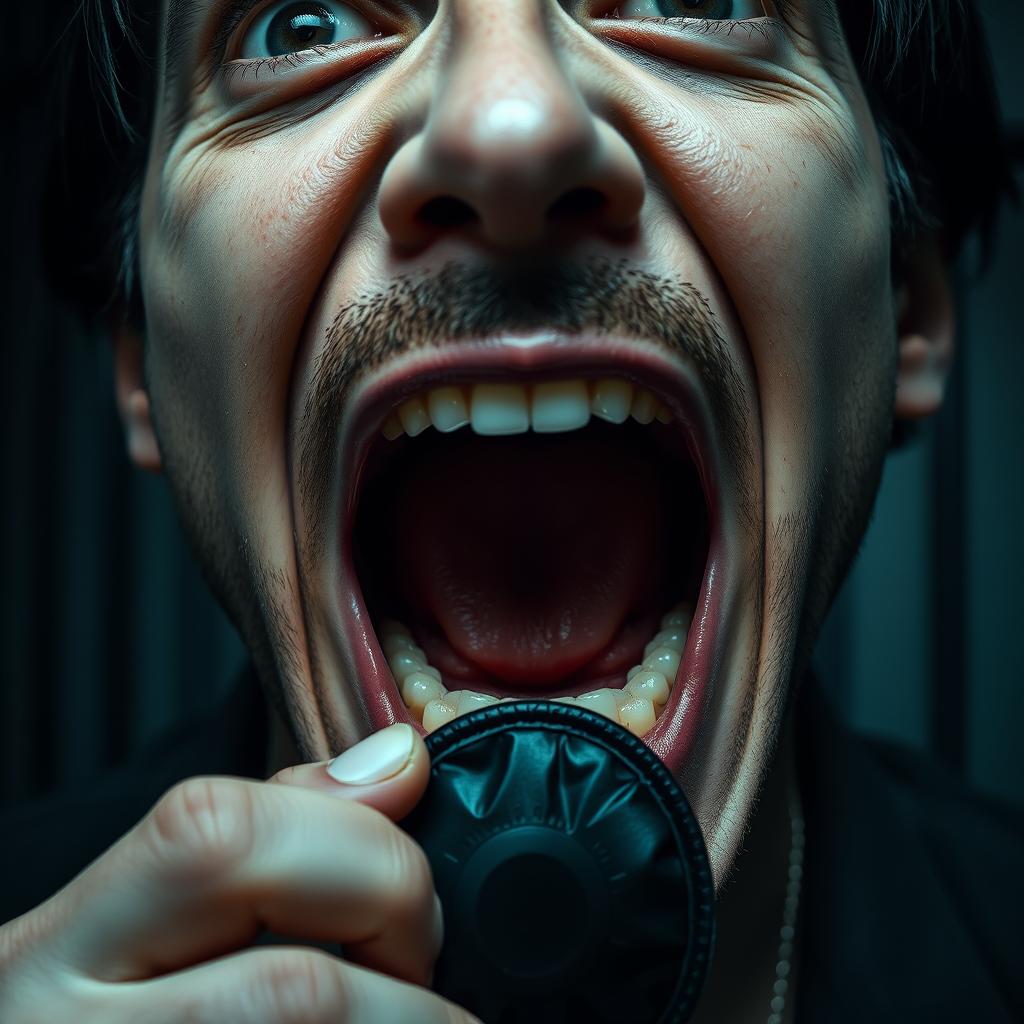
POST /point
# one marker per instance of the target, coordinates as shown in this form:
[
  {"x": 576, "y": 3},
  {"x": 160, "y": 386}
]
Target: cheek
[
  {"x": 228, "y": 272},
  {"x": 238, "y": 235},
  {"x": 205, "y": 336},
  {"x": 216, "y": 363},
  {"x": 793, "y": 213},
  {"x": 834, "y": 350},
  {"x": 825, "y": 346}
]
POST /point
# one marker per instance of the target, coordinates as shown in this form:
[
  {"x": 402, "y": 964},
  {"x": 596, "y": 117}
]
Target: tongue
[{"x": 530, "y": 552}]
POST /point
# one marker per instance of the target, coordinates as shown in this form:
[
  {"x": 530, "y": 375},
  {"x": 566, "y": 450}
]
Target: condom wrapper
[{"x": 572, "y": 872}]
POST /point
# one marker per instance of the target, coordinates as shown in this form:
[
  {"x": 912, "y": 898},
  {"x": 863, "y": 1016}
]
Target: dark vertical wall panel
[
  {"x": 993, "y": 595},
  {"x": 993, "y": 356}
]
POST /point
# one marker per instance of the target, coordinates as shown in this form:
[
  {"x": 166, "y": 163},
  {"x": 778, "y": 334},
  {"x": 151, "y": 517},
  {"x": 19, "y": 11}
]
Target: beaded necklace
[{"x": 787, "y": 933}]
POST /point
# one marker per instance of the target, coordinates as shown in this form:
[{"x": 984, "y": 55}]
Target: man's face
[{"x": 528, "y": 214}]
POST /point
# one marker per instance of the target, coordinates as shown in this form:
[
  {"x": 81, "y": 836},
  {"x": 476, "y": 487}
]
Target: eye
[
  {"x": 715, "y": 9},
  {"x": 285, "y": 28}
]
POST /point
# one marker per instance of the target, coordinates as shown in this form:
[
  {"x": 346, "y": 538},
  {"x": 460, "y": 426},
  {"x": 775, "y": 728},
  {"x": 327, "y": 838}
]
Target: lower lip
[{"x": 675, "y": 732}]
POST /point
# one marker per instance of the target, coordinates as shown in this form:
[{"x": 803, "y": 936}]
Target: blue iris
[{"x": 300, "y": 26}]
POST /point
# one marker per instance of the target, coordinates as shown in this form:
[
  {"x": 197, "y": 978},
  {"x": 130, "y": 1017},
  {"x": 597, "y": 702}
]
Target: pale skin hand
[{"x": 156, "y": 928}]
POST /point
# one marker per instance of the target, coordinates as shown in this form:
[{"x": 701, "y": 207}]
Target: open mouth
[{"x": 530, "y": 534}]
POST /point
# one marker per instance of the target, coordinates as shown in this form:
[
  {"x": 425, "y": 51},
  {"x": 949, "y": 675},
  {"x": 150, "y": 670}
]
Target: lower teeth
[{"x": 636, "y": 705}]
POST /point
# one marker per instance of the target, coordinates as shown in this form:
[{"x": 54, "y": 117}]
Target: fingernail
[{"x": 376, "y": 758}]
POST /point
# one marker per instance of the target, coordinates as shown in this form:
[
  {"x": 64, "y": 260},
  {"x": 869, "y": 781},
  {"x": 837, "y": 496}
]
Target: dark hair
[{"x": 924, "y": 65}]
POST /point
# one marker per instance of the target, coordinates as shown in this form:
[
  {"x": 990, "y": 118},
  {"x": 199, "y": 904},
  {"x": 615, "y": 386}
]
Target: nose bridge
[
  {"x": 509, "y": 145},
  {"x": 506, "y": 94}
]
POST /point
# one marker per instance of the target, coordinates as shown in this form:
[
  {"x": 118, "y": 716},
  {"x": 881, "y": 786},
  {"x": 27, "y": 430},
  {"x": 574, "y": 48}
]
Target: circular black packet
[{"x": 572, "y": 872}]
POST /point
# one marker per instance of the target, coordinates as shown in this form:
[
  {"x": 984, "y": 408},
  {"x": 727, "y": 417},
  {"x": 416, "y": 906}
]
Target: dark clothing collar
[{"x": 912, "y": 897}]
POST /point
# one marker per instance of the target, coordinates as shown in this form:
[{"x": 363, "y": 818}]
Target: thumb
[{"x": 388, "y": 770}]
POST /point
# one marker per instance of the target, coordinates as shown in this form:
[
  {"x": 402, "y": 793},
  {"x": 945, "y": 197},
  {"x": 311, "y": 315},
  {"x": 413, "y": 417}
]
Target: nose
[{"x": 510, "y": 151}]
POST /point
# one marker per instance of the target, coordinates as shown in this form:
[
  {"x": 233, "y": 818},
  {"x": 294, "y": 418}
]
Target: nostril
[
  {"x": 446, "y": 212},
  {"x": 576, "y": 204}
]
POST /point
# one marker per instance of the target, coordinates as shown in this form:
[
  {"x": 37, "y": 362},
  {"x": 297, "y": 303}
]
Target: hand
[{"x": 154, "y": 930}]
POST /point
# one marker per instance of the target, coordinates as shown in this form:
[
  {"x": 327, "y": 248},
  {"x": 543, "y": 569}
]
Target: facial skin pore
[{"x": 740, "y": 164}]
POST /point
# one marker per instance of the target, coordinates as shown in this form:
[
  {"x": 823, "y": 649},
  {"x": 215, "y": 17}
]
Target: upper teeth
[
  {"x": 636, "y": 705},
  {"x": 500, "y": 408}
]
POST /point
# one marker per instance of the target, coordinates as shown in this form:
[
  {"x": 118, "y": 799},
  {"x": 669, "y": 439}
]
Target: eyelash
[
  {"x": 714, "y": 26},
  {"x": 718, "y": 26},
  {"x": 239, "y": 68}
]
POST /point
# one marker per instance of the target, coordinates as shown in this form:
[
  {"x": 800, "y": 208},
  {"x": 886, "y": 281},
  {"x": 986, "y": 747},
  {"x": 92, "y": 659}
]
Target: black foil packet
[{"x": 572, "y": 872}]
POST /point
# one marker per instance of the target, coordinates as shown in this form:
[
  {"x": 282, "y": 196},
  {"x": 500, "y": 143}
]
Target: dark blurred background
[{"x": 110, "y": 635}]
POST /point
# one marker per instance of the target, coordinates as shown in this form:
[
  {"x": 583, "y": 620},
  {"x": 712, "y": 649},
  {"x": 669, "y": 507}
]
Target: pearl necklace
[{"x": 783, "y": 958}]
